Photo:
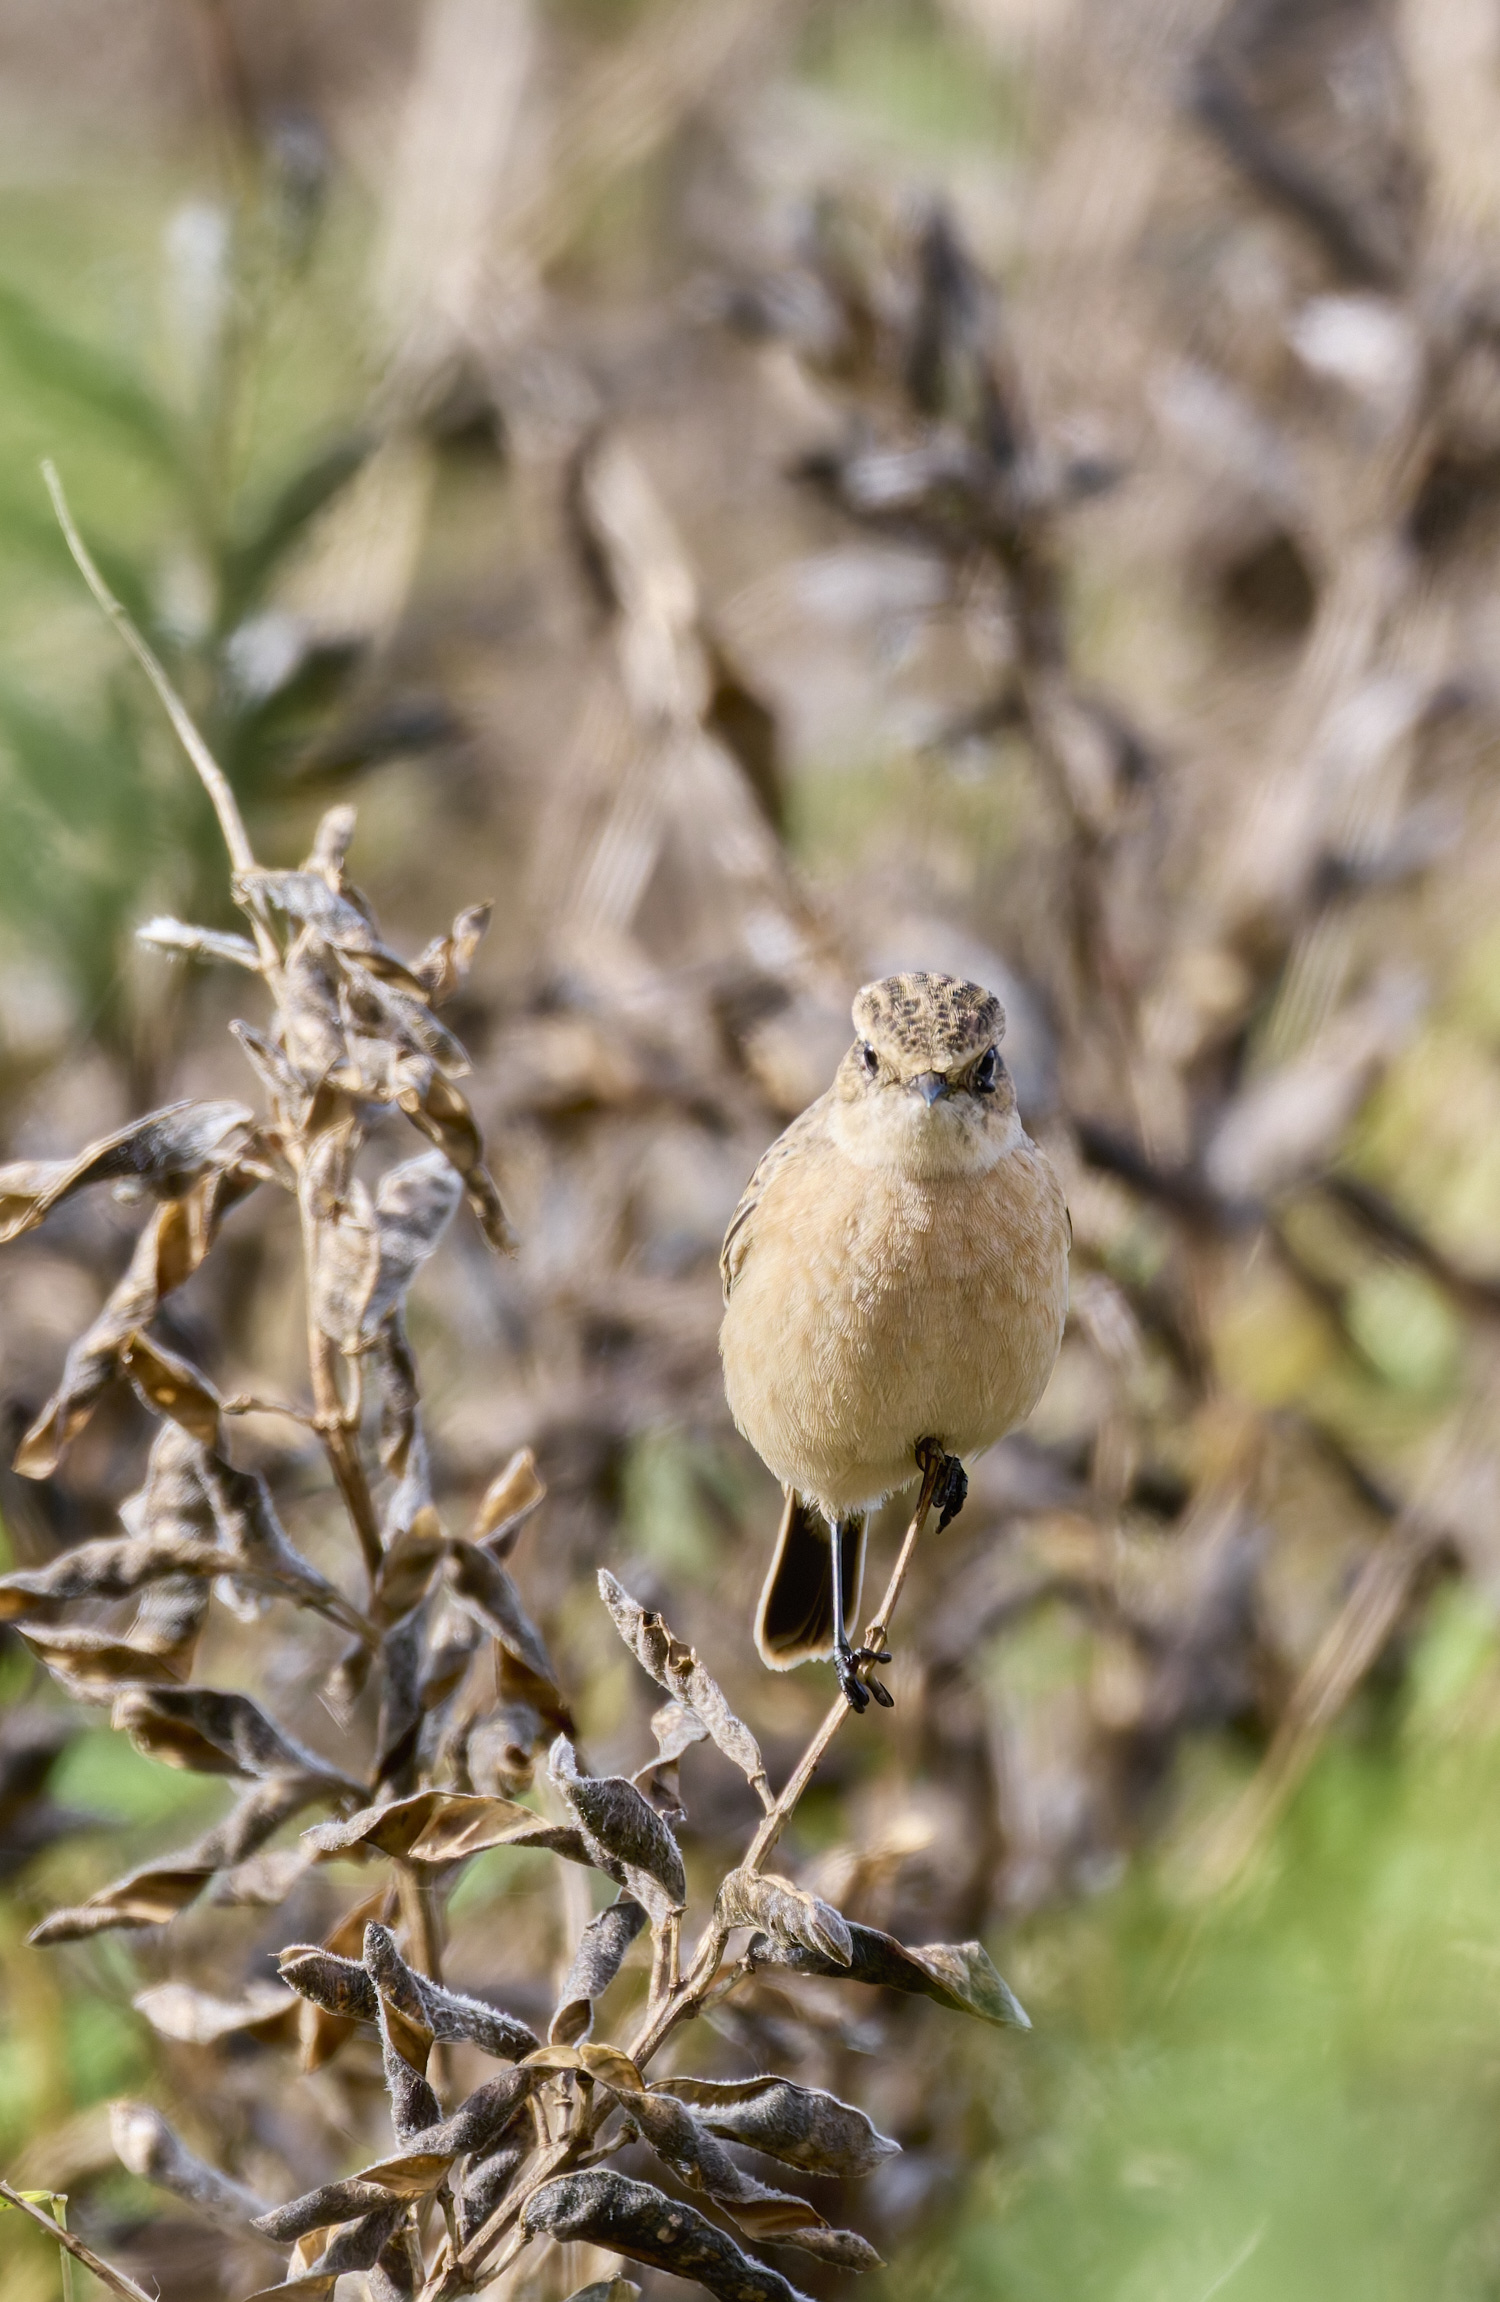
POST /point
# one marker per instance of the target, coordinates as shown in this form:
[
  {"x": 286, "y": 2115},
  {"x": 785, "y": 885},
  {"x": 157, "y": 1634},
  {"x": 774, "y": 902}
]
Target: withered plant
[{"x": 434, "y": 1627}]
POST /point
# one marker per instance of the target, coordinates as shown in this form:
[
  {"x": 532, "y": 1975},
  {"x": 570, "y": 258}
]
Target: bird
[{"x": 895, "y": 1285}]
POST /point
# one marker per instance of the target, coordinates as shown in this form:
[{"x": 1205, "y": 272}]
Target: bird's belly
[{"x": 906, "y": 1316}]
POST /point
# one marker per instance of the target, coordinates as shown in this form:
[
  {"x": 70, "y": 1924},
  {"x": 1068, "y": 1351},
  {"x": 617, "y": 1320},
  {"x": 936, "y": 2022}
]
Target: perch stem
[{"x": 689, "y": 1995}]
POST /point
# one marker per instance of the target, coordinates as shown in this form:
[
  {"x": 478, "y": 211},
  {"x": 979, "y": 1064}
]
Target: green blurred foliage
[
  {"x": 1294, "y": 2094},
  {"x": 189, "y": 379}
]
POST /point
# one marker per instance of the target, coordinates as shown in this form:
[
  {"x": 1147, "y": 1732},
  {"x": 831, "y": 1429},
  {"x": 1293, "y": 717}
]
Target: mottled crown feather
[{"x": 928, "y": 1022}]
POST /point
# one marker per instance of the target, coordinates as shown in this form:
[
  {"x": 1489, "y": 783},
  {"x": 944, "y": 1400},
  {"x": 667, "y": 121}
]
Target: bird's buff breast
[{"x": 875, "y": 1308}]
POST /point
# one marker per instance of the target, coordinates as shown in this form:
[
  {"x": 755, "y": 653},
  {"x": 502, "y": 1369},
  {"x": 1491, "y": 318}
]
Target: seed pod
[
  {"x": 800, "y": 2125},
  {"x": 626, "y": 1838},
  {"x": 956, "y": 1975},
  {"x": 146, "y": 2145},
  {"x": 597, "y": 1960},
  {"x": 603, "y": 2208},
  {"x": 678, "y": 1669},
  {"x": 791, "y": 1917}
]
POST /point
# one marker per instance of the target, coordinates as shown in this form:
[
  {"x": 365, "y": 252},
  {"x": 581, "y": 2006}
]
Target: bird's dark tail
[{"x": 795, "y": 1620}]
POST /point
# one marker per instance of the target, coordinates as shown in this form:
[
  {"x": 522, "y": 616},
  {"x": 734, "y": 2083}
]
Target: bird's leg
[
  {"x": 850, "y": 1661},
  {"x": 951, "y": 1490}
]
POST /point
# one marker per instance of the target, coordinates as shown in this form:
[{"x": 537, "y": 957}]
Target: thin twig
[
  {"x": 116, "y": 2280},
  {"x": 687, "y": 1998},
  {"x": 210, "y": 774}
]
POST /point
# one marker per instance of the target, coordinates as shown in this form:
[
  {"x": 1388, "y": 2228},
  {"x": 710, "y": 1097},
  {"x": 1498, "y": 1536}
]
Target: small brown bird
[{"x": 895, "y": 1283}]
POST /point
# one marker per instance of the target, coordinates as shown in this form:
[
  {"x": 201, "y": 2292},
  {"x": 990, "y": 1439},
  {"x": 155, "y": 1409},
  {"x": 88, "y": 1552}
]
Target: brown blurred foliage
[{"x": 985, "y": 485}]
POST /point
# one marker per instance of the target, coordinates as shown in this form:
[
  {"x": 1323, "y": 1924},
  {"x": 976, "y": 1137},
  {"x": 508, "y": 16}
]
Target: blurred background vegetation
[{"x": 773, "y": 492}]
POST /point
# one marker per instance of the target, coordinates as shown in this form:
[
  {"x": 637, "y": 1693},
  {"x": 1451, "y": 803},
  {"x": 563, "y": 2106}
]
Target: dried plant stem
[
  {"x": 340, "y": 1443},
  {"x": 457, "y": 2276},
  {"x": 210, "y": 774},
  {"x": 115, "y": 2280},
  {"x": 690, "y": 1992},
  {"x": 672, "y": 1999}
]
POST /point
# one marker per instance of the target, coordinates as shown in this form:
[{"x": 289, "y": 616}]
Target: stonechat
[{"x": 895, "y": 1285}]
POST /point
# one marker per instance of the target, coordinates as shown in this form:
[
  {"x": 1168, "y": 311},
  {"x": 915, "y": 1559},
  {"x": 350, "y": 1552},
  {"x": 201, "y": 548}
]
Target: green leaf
[
  {"x": 250, "y": 562},
  {"x": 92, "y": 379}
]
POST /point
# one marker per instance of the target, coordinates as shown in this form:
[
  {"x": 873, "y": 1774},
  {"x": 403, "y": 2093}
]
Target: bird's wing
[{"x": 786, "y": 1146}]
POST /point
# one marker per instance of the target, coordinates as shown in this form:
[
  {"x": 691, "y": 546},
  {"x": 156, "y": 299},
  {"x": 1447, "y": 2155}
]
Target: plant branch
[
  {"x": 689, "y": 1995},
  {"x": 115, "y": 2280},
  {"x": 210, "y": 774}
]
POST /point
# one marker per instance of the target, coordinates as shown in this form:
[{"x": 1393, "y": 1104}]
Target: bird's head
[{"x": 924, "y": 1085}]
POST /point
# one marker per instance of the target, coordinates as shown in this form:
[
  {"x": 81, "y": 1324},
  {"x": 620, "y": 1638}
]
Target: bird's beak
[{"x": 930, "y": 1085}]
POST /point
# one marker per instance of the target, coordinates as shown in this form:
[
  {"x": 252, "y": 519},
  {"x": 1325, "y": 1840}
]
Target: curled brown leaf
[
  {"x": 606, "y": 2209},
  {"x": 790, "y": 1916},
  {"x": 801, "y": 2125},
  {"x": 957, "y": 1975},
  {"x": 677, "y": 1668}
]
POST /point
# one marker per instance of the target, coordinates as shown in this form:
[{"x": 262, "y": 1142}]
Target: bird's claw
[
  {"x": 852, "y": 1663},
  {"x": 950, "y": 1488}
]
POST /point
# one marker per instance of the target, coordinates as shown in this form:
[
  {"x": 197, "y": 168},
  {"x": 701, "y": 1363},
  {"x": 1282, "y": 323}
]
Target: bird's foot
[
  {"x": 852, "y": 1664},
  {"x": 951, "y": 1487}
]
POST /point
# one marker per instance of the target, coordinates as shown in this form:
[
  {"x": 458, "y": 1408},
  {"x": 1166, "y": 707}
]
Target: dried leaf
[
  {"x": 597, "y": 1960},
  {"x": 314, "y": 1027},
  {"x": 357, "y": 2246},
  {"x": 92, "y": 1362},
  {"x": 307, "y": 897},
  {"x": 168, "y": 1621},
  {"x": 386, "y": 1002},
  {"x": 476, "y": 2126},
  {"x": 700, "y": 2160},
  {"x": 170, "y": 1386},
  {"x": 607, "y": 2290},
  {"x": 407, "y": 1569},
  {"x": 676, "y": 1729},
  {"x": 255, "y": 1541},
  {"x": 800, "y": 2125},
  {"x": 442, "y": 1114},
  {"x": 343, "y": 1988},
  {"x": 370, "y": 1249},
  {"x": 167, "y": 1252},
  {"x": 677, "y": 1668},
  {"x": 481, "y": 1586},
  {"x": 177, "y": 2010},
  {"x": 843, "y": 2249},
  {"x": 92, "y": 1667},
  {"x": 152, "y": 1895},
  {"x": 147, "y": 1897},
  {"x": 511, "y": 1496},
  {"x": 165, "y": 1152},
  {"x": 322, "y": 2209},
  {"x": 790, "y": 1915},
  {"x": 601, "y": 2208},
  {"x": 956, "y": 1975},
  {"x": 429, "y": 1826},
  {"x": 625, "y": 1836},
  {"x": 199, "y": 942},
  {"x": 111, "y": 1568},
  {"x": 145, "y": 2143},
  {"x": 214, "y": 1732},
  {"x": 287, "y": 1090},
  {"x": 487, "y": 2181},
  {"x": 444, "y": 965}
]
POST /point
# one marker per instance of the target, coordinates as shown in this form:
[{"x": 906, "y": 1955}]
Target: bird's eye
[
  {"x": 868, "y": 1058},
  {"x": 984, "y": 1072}
]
